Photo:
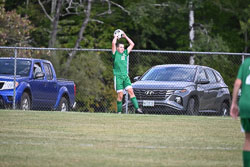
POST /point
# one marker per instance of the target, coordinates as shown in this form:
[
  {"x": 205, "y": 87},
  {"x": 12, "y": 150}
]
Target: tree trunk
[
  {"x": 246, "y": 47},
  {"x": 191, "y": 31},
  {"x": 27, "y": 7},
  {"x": 53, "y": 7},
  {"x": 80, "y": 34},
  {"x": 246, "y": 41},
  {"x": 55, "y": 23}
]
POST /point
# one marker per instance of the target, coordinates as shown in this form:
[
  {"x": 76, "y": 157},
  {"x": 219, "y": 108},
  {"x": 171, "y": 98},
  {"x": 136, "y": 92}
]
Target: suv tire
[
  {"x": 192, "y": 107},
  {"x": 224, "y": 109}
]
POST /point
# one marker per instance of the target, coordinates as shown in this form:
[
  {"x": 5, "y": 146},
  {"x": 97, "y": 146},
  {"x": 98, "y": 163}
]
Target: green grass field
[{"x": 41, "y": 138}]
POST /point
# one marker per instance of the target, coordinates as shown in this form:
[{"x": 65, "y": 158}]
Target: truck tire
[
  {"x": 192, "y": 107},
  {"x": 63, "y": 105},
  {"x": 25, "y": 103}
]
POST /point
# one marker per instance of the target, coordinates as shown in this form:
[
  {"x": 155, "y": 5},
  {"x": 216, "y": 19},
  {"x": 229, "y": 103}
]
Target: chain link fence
[{"x": 85, "y": 76}]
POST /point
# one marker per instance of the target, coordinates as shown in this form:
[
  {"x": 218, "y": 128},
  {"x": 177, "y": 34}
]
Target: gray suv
[{"x": 188, "y": 89}]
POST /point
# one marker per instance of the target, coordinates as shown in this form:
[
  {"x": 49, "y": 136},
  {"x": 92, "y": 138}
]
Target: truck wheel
[
  {"x": 25, "y": 102},
  {"x": 224, "y": 109},
  {"x": 63, "y": 105},
  {"x": 192, "y": 107}
]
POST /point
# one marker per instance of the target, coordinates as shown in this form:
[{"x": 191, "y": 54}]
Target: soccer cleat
[{"x": 139, "y": 111}]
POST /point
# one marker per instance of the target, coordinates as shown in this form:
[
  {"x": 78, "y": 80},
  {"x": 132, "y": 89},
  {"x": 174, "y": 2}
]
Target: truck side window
[
  {"x": 37, "y": 68},
  {"x": 48, "y": 71}
]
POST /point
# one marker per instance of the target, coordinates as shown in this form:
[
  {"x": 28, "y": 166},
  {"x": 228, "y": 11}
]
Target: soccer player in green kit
[
  {"x": 121, "y": 78},
  {"x": 243, "y": 81}
]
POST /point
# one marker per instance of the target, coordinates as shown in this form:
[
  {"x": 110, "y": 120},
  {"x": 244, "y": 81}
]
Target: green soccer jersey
[
  {"x": 120, "y": 63},
  {"x": 244, "y": 76}
]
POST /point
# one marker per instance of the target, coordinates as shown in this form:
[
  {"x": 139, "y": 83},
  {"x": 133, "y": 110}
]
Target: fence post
[{"x": 14, "y": 89}]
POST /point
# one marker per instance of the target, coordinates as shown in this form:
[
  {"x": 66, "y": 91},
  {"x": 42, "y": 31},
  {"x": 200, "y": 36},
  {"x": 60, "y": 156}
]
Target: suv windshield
[
  {"x": 170, "y": 74},
  {"x": 7, "y": 67}
]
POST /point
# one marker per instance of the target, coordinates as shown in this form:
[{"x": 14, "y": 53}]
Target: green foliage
[
  {"x": 14, "y": 29},
  {"x": 151, "y": 24},
  {"x": 226, "y": 16},
  {"x": 245, "y": 26},
  {"x": 94, "y": 90},
  {"x": 33, "y": 12},
  {"x": 159, "y": 27},
  {"x": 205, "y": 43},
  {"x": 141, "y": 62},
  {"x": 87, "y": 73}
]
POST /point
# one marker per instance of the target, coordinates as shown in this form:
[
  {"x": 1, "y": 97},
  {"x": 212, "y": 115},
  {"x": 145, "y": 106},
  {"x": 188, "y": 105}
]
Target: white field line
[
  {"x": 123, "y": 146},
  {"x": 44, "y": 143},
  {"x": 43, "y": 136},
  {"x": 186, "y": 148}
]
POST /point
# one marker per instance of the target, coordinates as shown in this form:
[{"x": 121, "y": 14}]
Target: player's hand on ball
[
  {"x": 124, "y": 35},
  {"x": 118, "y": 33}
]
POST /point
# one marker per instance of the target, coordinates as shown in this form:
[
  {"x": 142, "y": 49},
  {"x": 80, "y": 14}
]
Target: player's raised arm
[
  {"x": 114, "y": 44},
  {"x": 131, "y": 43}
]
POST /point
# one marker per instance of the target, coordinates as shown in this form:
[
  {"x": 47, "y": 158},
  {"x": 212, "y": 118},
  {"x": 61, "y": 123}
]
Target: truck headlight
[{"x": 9, "y": 85}]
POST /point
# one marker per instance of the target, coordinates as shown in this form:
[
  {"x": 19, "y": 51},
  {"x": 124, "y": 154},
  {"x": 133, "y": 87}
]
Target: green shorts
[
  {"x": 121, "y": 82},
  {"x": 245, "y": 124}
]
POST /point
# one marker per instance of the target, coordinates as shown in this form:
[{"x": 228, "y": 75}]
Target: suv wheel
[
  {"x": 25, "y": 102},
  {"x": 224, "y": 109},
  {"x": 192, "y": 107}
]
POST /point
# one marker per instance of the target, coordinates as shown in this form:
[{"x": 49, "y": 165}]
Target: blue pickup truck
[{"x": 36, "y": 86}]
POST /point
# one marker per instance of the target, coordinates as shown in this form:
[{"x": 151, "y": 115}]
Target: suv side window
[
  {"x": 48, "y": 71},
  {"x": 202, "y": 75},
  {"x": 218, "y": 76},
  {"x": 211, "y": 76}
]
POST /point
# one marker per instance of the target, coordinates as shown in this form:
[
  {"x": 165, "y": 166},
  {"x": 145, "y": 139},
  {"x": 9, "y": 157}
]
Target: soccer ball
[{"x": 118, "y": 33}]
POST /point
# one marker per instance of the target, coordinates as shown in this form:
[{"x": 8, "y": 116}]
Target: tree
[
  {"x": 14, "y": 29},
  {"x": 226, "y": 16},
  {"x": 90, "y": 75},
  {"x": 245, "y": 27},
  {"x": 56, "y": 6},
  {"x": 80, "y": 34}
]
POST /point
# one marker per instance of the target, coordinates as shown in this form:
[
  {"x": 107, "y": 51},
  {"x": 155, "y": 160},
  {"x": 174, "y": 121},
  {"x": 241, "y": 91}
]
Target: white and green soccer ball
[{"x": 118, "y": 33}]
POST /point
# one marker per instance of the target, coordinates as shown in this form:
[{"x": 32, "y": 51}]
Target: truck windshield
[
  {"x": 7, "y": 67},
  {"x": 170, "y": 74}
]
